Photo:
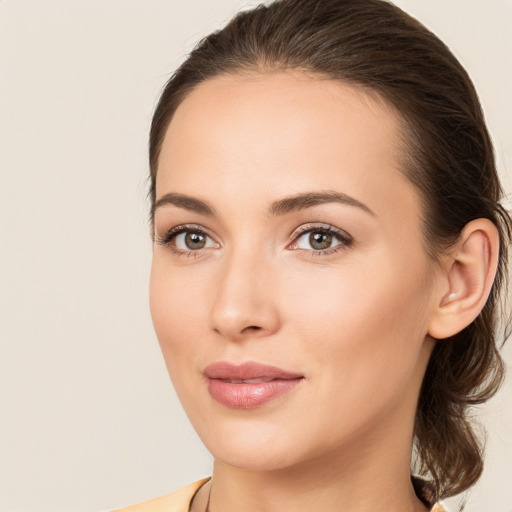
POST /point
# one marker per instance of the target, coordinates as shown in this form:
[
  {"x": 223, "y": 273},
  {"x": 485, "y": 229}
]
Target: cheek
[
  {"x": 178, "y": 312},
  {"x": 372, "y": 317},
  {"x": 361, "y": 331},
  {"x": 176, "y": 309}
]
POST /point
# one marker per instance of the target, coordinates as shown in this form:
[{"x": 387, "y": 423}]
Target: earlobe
[{"x": 466, "y": 279}]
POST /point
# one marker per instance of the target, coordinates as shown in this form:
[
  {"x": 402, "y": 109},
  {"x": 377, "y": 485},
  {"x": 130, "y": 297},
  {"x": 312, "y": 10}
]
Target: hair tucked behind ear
[{"x": 448, "y": 157}]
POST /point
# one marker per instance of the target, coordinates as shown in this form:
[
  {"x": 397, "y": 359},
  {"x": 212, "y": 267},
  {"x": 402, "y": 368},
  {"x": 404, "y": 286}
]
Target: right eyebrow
[{"x": 186, "y": 202}]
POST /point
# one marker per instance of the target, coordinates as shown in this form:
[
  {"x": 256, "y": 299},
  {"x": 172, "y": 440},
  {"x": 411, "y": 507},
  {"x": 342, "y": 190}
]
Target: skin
[{"x": 353, "y": 319}]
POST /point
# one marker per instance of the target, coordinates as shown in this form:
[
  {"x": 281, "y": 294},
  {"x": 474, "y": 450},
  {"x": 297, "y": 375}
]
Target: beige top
[{"x": 179, "y": 501}]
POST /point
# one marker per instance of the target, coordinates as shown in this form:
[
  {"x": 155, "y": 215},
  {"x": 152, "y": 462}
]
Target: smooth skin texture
[{"x": 352, "y": 310}]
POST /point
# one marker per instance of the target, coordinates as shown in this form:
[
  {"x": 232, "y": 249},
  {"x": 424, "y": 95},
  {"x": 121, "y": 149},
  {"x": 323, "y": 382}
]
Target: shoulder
[
  {"x": 437, "y": 508},
  {"x": 177, "y": 501}
]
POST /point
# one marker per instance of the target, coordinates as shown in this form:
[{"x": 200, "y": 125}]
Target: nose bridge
[{"x": 243, "y": 303}]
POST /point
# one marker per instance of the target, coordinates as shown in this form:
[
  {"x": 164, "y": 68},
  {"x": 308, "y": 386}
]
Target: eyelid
[
  {"x": 345, "y": 239},
  {"x": 170, "y": 235}
]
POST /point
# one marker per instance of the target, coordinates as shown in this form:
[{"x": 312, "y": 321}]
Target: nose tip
[{"x": 244, "y": 305}]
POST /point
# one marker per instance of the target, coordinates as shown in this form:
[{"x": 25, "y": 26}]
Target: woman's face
[{"x": 287, "y": 236}]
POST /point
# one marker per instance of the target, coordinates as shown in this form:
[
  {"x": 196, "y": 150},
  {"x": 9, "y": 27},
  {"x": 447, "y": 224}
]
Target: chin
[
  {"x": 253, "y": 447},
  {"x": 255, "y": 458}
]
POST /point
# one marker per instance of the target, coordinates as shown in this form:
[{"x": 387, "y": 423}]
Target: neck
[{"x": 372, "y": 479}]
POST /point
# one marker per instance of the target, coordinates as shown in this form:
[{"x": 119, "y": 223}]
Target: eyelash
[
  {"x": 168, "y": 238},
  {"x": 344, "y": 239}
]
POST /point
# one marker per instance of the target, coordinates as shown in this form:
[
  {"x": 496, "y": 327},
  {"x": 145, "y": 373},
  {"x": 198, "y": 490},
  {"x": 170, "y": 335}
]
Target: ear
[{"x": 466, "y": 279}]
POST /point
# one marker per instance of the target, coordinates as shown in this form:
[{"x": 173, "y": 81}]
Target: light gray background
[{"x": 89, "y": 421}]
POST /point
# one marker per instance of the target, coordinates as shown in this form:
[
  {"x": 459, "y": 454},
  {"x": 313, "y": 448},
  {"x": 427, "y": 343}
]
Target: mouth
[
  {"x": 248, "y": 385},
  {"x": 247, "y": 381}
]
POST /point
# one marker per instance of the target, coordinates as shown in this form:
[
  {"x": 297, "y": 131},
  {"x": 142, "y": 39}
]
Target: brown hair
[{"x": 374, "y": 45}]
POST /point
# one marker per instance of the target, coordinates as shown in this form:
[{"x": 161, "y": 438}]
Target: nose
[{"x": 244, "y": 304}]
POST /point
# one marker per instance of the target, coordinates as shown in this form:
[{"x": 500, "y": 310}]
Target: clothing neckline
[{"x": 423, "y": 489}]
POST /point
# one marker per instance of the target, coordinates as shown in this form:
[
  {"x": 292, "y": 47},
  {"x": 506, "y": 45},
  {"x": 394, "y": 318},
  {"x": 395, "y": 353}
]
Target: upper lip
[{"x": 245, "y": 371}]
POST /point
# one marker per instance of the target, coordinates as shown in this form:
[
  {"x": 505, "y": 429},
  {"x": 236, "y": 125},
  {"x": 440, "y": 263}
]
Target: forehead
[
  {"x": 276, "y": 100},
  {"x": 295, "y": 131}
]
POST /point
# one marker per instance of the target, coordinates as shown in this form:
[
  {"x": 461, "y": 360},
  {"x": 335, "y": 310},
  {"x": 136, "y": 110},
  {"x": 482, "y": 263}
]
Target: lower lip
[{"x": 249, "y": 395}]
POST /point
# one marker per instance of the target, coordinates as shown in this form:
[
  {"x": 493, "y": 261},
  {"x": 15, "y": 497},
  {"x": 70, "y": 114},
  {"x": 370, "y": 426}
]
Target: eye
[
  {"x": 192, "y": 241},
  {"x": 317, "y": 240},
  {"x": 321, "y": 239},
  {"x": 187, "y": 240}
]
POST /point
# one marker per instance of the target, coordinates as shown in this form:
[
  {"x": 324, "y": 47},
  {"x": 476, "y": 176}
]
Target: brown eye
[
  {"x": 187, "y": 240},
  {"x": 319, "y": 240},
  {"x": 194, "y": 241}
]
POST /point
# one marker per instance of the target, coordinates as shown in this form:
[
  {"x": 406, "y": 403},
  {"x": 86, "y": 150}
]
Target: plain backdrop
[{"x": 89, "y": 421}]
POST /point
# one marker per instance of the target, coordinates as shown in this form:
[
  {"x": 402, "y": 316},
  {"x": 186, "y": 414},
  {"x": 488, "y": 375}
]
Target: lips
[{"x": 248, "y": 385}]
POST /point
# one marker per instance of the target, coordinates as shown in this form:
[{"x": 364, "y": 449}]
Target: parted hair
[{"x": 448, "y": 157}]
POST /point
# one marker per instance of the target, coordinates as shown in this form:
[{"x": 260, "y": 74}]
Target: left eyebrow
[{"x": 310, "y": 199}]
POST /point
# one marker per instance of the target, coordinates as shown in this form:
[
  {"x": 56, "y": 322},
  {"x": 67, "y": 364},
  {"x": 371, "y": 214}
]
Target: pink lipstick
[{"x": 248, "y": 385}]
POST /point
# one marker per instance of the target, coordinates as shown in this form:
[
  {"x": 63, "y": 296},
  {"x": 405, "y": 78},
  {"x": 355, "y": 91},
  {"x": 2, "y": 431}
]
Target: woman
[{"x": 329, "y": 250}]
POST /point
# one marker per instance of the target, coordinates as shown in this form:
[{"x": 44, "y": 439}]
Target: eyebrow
[
  {"x": 186, "y": 202},
  {"x": 280, "y": 207},
  {"x": 310, "y": 199}
]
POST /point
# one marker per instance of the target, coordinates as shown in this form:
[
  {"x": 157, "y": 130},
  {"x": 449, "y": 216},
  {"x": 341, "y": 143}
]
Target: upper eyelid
[
  {"x": 307, "y": 228},
  {"x": 180, "y": 228},
  {"x": 172, "y": 233}
]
